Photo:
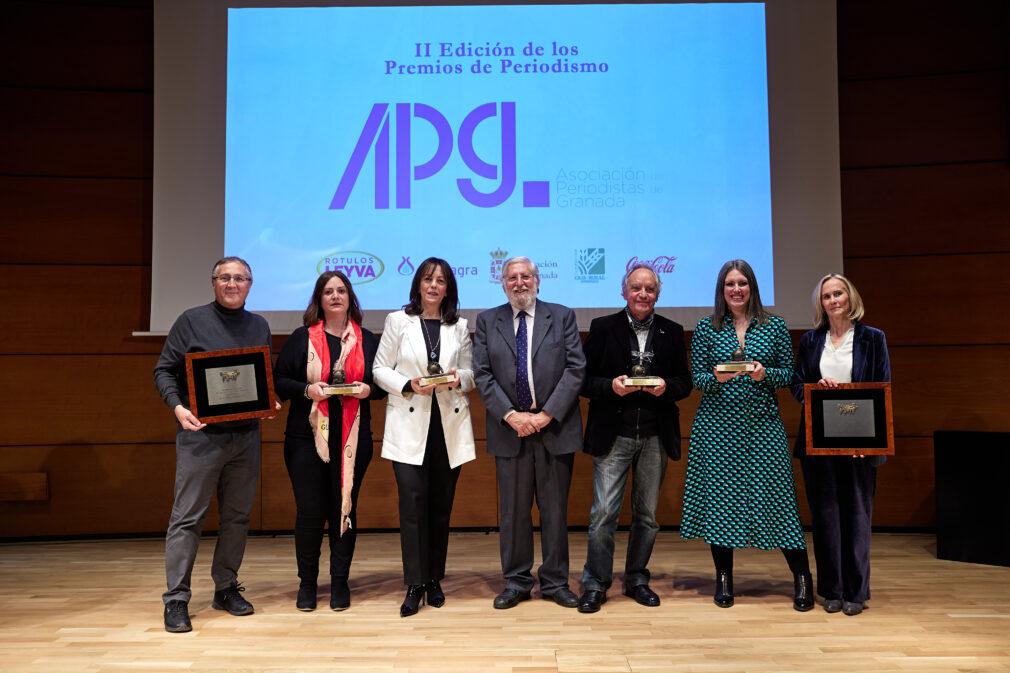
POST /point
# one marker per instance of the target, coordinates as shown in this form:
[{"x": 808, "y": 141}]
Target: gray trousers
[
  {"x": 208, "y": 463},
  {"x": 535, "y": 472}
]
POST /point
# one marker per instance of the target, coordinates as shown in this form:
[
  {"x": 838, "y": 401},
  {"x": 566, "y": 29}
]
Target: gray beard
[{"x": 523, "y": 302}]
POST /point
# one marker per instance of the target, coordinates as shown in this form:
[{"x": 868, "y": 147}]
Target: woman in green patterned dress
[{"x": 740, "y": 490}]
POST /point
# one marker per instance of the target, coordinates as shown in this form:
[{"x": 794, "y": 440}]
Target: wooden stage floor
[{"x": 95, "y": 606}]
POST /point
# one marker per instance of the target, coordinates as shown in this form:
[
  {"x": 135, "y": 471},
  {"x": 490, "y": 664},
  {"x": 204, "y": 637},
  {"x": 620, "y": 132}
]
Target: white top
[{"x": 836, "y": 363}]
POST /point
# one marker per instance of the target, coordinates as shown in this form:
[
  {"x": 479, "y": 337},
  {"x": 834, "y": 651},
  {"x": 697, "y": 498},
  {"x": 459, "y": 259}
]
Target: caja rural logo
[{"x": 375, "y": 134}]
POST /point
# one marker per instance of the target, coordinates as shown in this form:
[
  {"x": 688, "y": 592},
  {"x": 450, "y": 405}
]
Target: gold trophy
[
  {"x": 340, "y": 386},
  {"x": 739, "y": 363},
  {"x": 436, "y": 376},
  {"x": 637, "y": 376}
]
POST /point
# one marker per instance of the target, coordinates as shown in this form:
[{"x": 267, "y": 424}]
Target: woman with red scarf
[{"x": 328, "y": 439}]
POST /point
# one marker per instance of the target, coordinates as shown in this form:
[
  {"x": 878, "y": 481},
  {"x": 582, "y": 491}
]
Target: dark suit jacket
[
  {"x": 558, "y": 369},
  {"x": 608, "y": 355},
  {"x": 870, "y": 363}
]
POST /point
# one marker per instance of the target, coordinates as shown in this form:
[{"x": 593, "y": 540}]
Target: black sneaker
[
  {"x": 177, "y": 617},
  {"x": 231, "y": 600}
]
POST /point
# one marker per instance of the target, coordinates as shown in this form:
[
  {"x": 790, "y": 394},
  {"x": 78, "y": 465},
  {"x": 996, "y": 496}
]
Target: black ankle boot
[
  {"x": 340, "y": 594},
  {"x": 413, "y": 600},
  {"x": 724, "y": 588},
  {"x": 434, "y": 594},
  {"x": 306, "y": 601},
  {"x": 803, "y": 592}
]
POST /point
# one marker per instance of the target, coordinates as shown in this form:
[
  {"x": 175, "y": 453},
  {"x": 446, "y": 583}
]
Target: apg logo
[
  {"x": 359, "y": 267},
  {"x": 536, "y": 194}
]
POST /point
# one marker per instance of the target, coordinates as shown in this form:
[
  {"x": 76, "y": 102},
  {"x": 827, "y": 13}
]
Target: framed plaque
[
  {"x": 230, "y": 385},
  {"x": 852, "y": 419}
]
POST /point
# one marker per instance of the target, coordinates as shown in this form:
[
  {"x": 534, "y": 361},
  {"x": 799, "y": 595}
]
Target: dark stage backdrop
[{"x": 86, "y": 446}]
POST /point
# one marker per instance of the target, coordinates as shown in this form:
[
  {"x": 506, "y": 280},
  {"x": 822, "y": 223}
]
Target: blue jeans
[{"x": 645, "y": 457}]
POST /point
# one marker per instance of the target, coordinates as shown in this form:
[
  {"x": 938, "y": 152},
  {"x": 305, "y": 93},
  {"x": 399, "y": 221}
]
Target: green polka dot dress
[{"x": 740, "y": 490}]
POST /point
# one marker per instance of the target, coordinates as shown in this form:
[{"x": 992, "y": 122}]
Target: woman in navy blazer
[{"x": 840, "y": 489}]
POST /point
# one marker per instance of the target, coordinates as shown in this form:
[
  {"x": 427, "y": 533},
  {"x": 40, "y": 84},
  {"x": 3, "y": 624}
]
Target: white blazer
[{"x": 403, "y": 355}]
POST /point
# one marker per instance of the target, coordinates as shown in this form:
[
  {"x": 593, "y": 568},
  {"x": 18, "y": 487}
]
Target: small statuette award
[
  {"x": 739, "y": 363},
  {"x": 435, "y": 375},
  {"x": 637, "y": 376},
  {"x": 340, "y": 385}
]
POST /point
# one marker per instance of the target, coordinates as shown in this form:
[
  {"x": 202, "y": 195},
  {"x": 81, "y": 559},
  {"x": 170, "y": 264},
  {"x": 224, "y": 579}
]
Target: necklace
[{"x": 432, "y": 355}]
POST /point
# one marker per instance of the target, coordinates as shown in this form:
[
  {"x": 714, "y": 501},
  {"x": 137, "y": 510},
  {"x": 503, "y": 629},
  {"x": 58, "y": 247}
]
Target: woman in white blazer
[{"x": 428, "y": 434}]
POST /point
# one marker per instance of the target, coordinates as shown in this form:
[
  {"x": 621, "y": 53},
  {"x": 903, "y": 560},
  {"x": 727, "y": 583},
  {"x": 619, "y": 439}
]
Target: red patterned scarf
[{"x": 352, "y": 361}]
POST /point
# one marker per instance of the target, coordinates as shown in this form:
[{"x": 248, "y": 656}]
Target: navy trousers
[{"x": 840, "y": 491}]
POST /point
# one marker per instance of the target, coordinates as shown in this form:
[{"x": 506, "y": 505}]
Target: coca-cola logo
[{"x": 659, "y": 264}]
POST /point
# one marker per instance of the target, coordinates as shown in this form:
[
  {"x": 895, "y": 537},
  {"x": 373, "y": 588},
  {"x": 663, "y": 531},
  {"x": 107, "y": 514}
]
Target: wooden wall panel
[
  {"x": 925, "y": 300},
  {"x": 949, "y": 388},
  {"x": 926, "y": 210},
  {"x": 97, "y": 400},
  {"x": 75, "y": 221},
  {"x": 76, "y": 133},
  {"x": 921, "y": 120},
  {"x": 100, "y": 306},
  {"x": 128, "y": 488},
  {"x": 94, "y": 489},
  {"x": 85, "y": 46},
  {"x": 910, "y": 37}
]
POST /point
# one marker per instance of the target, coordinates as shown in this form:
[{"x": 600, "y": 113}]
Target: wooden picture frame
[
  {"x": 231, "y": 385},
  {"x": 851, "y": 419}
]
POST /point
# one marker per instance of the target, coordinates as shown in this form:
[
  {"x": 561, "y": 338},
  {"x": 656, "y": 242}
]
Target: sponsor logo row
[{"x": 590, "y": 265}]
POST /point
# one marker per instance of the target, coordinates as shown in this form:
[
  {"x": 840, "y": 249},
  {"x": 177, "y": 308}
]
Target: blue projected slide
[{"x": 584, "y": 137}]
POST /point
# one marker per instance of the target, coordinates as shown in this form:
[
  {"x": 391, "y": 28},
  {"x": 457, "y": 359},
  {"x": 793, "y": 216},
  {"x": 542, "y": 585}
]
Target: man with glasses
[
  {"x": 528, "y": 366},
  {"x": 221, "y": 458}
]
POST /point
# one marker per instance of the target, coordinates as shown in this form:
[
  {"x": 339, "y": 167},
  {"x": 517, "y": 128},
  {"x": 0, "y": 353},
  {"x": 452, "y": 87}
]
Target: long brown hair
[
  {"x": 755, "y": 310},
  {"x": 314, "y": 313}
]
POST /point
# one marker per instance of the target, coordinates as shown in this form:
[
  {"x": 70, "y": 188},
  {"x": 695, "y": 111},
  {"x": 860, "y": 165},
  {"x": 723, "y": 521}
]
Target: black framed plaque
[
  {"x": 230, "y": 385},
  {"x": 852, "y": 419}
]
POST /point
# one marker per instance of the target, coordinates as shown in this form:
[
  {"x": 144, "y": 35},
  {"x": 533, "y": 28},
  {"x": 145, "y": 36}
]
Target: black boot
[
  {"x": 434, "y": 594},
  {"x": 306, "y": 601},
  {"x": 413, "y": 600},
  {"x": 803, "y": 592},
  {"x": 724, "y": 588}
]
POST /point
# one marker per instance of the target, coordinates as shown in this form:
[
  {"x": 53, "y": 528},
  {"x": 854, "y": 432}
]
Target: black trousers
[
  {"x": 426, "y": 493},
  {"x": 840, "y": 491},
  {"x": 316, "y": 487}
]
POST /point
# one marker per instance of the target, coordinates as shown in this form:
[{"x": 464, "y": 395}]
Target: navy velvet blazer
[{"x": 870, "y": 363}]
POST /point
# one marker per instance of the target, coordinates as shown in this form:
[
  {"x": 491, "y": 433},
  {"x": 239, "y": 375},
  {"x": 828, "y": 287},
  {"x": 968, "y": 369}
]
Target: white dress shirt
[{"x": 836, "y": 363}]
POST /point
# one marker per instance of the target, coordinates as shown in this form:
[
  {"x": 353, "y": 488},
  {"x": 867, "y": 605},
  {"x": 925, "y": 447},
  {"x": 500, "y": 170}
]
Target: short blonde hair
[{"x": 856, "y": 309}]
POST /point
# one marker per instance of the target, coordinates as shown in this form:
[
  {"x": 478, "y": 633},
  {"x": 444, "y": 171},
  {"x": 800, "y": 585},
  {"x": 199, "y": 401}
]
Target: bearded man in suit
[{"x": 528, "y": 366}]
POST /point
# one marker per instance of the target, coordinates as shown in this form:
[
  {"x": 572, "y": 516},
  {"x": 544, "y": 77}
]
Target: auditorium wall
[{"x": 87, "y": 446}]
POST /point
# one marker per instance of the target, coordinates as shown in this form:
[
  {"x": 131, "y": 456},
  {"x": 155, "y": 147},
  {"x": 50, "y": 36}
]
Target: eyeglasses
[
  {"x": 225, "y": 279},
  {"x": 515, "y": 279}
]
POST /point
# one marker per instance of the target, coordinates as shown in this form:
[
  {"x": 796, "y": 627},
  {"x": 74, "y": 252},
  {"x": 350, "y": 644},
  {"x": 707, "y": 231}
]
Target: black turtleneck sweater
[{"x": 210, "y": 327}]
